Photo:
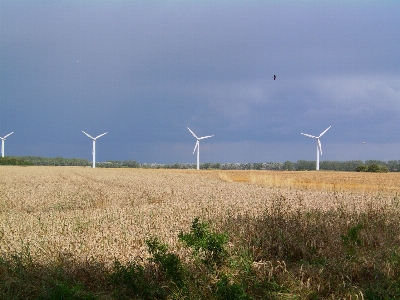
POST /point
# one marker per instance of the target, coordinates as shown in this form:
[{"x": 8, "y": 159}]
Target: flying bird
[{"x": 274, "y": 77}]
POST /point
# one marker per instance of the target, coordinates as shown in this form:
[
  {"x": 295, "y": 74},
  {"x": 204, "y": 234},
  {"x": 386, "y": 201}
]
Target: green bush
[
  {"x": 130, "y": 280},
  {"x": 210, "y": 247},
  {"x": 361, "y": 168},
  {"x": 169, "y": 263},
  {"x": 352, "y": 239},
  {"x": 373, "y": 168},
  {"x": 384, "y": 169},
  {"x": 63, "y": 290},
  {"x": 230, "y": 291}
]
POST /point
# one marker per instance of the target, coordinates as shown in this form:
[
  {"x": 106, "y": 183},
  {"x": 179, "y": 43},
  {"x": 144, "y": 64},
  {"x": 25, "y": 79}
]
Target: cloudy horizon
[{"x": 144, "y": 71}]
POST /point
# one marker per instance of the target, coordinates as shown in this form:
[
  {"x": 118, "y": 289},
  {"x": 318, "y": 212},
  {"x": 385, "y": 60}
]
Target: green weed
[
  {"x": 169, "y": 263},
  {"x": 351, "y": 240},
  {"x": 208, "y": 246}
]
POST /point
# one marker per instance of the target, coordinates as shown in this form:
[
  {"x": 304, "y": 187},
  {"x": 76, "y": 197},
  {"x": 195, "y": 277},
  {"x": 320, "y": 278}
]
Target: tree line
[
  {"x": 43, "y": 161},
  {"x": 300, "y": 165},
  {"x": 14, "y": 161}
]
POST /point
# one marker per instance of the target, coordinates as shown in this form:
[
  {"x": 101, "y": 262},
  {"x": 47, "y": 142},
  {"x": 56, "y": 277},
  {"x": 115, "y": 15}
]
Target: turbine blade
[
  {"x": 7, "y": 135},
  {"x": 193, "y": 133},
  {"x": 324, "y": 131},
  {"x": 309, "y": 135},
  {"x": 100, "y": 135},
  {"x": 320, "y": 146},
  {"x": 195, "y": 147},
  {"x": 205, "y": 137},
  {"x": 88, "y": 135}
]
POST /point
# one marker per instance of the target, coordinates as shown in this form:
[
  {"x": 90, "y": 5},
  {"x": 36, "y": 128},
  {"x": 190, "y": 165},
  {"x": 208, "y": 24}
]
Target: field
[{"x": 103, "y": 215}]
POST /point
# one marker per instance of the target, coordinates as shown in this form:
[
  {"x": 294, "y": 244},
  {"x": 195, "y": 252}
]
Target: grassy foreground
[
  {"x": 281, "y": 246},
  {"x": 279, "y": 255}
]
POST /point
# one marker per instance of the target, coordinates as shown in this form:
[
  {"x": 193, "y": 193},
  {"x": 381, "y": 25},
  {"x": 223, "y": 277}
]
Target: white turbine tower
[
  {"x": 94, "y": 146},
  {"x": 198, "y": 146},
  {"x": 2, "y": 143},
  {"x": 319, "y": 147}
]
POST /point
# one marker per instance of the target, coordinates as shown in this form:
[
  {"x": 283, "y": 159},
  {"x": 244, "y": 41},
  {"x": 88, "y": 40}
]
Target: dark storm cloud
[{"x": 145, "y": 70}]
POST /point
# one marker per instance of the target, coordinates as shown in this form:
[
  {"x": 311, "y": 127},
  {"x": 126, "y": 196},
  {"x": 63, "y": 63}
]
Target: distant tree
[
  {"x": 375, "y": 162},
  {"x": 384, "y": 169},
  {"x": 58, "y": 161},
  {"x": 130, "y": 164},
  {"x": 373, "y": 168},
  {"x": 14, "y": 161},
  {"x": 258, "y": 166},
  {"x": 353, "y": 164},
  {"x": 216, "y": 166},
  {"x": 341, "y": 165},
  {"x": 288, "y": 165},
  {"x": 304, "y": 165},
  {"x": 361, "y": 168},
  {"x": 393, "y": 165}
]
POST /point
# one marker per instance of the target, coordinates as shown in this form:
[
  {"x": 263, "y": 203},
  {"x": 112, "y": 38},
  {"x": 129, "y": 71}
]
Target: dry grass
[
  {"x": 321, "y": 180},
  {"x": 108, "y": 213}
]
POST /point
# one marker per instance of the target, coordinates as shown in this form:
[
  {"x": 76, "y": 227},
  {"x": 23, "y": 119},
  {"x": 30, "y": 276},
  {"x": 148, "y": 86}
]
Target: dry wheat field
[{"x": 106, "y": 214}]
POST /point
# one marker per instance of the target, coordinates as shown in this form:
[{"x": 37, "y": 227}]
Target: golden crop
[{"x": 107, "y": 214}]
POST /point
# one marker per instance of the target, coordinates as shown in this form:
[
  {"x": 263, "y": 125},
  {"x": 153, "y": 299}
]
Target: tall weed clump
[
  {"x": 209, "y": 247},
  {"x": 339, "y": 252},
  {"x": 204, "y": 275},
  {"x": 169, "y": 264},
  {"x": 22, "y": 278},
  {"x": 160, "y": 278}
]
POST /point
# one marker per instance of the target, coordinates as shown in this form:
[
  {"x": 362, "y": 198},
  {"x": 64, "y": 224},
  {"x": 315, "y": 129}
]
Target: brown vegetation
[
  {"x": 102, "y": 215},
  {"x": 108, "y": 213}
]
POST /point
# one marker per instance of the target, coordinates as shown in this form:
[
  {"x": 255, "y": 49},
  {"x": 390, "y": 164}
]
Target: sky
[{"x": 144, "y": 71}]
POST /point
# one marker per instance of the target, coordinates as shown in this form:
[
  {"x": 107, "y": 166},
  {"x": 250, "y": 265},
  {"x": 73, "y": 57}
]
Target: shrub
[
  {"x": 384, "y": 169},
  {"x": 230, "y": 291},
  {"x": 132, "y": 278},
  {"x": 169, "y": 263},
  {"x": 62, "y": 290},
  {"x": 210, "y": 247},
  {"x": 373, "y": 168},
  {"x": 361, "y": 168},
  {"x": 352, "y": 239}
]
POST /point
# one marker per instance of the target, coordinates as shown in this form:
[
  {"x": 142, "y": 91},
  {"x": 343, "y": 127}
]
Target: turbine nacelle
[
  {"x": 317, "y": 137},
  {"x": 198, "y": 141},
  {"x": 195, "y": 136},
  {"x": 94, "y": 138},
  {"x": 200, "y": 138}
]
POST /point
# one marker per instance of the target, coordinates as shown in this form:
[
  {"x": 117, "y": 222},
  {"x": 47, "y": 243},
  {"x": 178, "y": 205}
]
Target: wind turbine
[
  {"x": 198, "y": 146},
  {"x": 94, "y": 146},
  {"x": 2, "y": 143},
  {"x": 318, "y": 144}
]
